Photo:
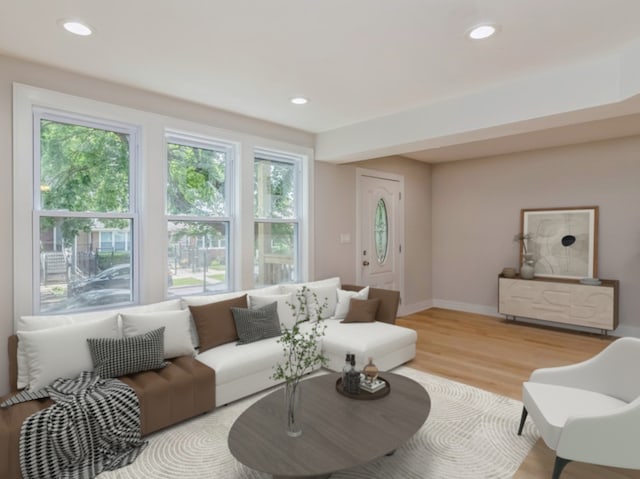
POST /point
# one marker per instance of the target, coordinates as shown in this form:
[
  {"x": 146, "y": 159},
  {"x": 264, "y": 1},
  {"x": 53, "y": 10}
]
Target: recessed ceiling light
[
  {"x": 76, "y": 27},
  {"x": 482, "y": 31},
  {"x": 299, "y": 100}
]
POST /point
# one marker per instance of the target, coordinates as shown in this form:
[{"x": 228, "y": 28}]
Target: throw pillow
[
  {"x": 344, "y": 299},
  {"x": 214, "y": 322},
  {"x": 285, "y": 314},
  {"x": 256, "y": 324},
  {"x": 62, "y": 352},
  {"x": 362, "y": 310},
  {"x": 177, "y": 330},
  {"x": 114, "y": 357},
  {"x": 35, "y": 323},
  {"x": 325, "y": 291}
]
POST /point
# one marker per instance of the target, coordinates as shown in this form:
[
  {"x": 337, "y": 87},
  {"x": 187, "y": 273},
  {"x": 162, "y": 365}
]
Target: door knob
[{"x": 365, "y": 263}]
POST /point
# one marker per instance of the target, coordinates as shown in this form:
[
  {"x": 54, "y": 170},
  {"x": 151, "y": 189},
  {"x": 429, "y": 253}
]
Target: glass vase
[{"x": 292, "y": 408}]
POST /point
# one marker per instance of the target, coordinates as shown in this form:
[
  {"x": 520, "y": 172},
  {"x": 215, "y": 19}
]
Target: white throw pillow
[
  {"x": 168, "y": 305},
  {"x": 325, "y": 290},
  {"x": 344, "y": 299},
  {"x": 36, "y": 323},
  {"x": 63, "y": 352},
  {"x": 177, "y": 330},
  {"x": 201, "y": 300},
  {"x": 284, "y": 301}
]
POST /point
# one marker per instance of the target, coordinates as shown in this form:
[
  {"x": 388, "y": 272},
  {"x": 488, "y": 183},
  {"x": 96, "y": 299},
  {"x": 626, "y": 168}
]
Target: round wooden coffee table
[{"x": 338, "y": 432}]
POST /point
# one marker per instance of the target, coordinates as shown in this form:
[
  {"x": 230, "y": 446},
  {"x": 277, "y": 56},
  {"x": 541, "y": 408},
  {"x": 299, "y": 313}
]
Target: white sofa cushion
[
  {"x": 365, "y": 340},
  {"x": 344, "y": 300},
  {"x": 177, "y": 330},
  {"x": 284, "y": 301},
  {"x": 202, "y": 299},
  {"x": 35, "y": 323},
  {"x": 232, "y": 361},
  {"x": 325, "y": 291},
  {"x": 63, "y": 352},
  {"x": 550, "y": 406}
]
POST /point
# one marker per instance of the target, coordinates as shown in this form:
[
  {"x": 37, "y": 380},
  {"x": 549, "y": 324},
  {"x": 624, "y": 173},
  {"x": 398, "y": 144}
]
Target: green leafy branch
[{"x": 301, "y": 352}]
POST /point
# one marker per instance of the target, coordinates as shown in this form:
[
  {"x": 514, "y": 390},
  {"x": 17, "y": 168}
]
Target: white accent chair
[{"x": 590, "y": 411}]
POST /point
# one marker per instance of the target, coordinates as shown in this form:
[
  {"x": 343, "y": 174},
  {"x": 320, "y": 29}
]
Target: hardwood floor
[{"x": 498, "y": 355}]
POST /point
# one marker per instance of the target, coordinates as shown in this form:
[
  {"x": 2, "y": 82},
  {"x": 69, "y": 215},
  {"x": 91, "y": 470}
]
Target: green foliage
[
  {"x": 82, "y": 169},
  {"x": 274, "y": 189},
  {"x": 188, "y": 281},
  {"x": 196, "y": 185},
  {"x": 107, "y": 260},
  {"x": 301, "y": 352},
  {"x": 194, "y": 230}
]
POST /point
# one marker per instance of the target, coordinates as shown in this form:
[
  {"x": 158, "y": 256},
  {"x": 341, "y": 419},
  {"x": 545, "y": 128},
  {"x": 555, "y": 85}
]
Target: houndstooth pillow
[
  {"x": 256, "y": 324},
  {"x": 119, "y": 357}
]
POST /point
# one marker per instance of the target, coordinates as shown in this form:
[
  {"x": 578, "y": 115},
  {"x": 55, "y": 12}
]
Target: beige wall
[
  {"x": 460, "y": 217},
  {"x": 335, "y": 205},
  {"x": 476, "y": 212},
  {"x": 13, "y": 70}
]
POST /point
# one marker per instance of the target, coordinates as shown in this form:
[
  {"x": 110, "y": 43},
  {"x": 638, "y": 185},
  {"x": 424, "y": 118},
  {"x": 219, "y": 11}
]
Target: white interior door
[{"x": 380, "y": 233}]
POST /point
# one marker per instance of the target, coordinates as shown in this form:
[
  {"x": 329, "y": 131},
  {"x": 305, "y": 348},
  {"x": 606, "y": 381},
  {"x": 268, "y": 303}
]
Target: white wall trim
[
  {"x": 621, "y": 330},
  {"x": 467, "y": 307},
  {"x": 405, "y": 310}
]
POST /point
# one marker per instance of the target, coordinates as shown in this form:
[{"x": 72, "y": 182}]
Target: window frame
[
  {"x": 298, "y": 220},
  {"x": 231, "y": 153},
  {"x": 151, "y": 181},
  {"x": 37, "y": 211}
]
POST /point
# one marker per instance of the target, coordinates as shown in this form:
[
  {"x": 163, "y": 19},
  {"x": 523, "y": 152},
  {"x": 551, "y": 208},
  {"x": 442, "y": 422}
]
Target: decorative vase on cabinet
[{"x": 527, "y": 271}]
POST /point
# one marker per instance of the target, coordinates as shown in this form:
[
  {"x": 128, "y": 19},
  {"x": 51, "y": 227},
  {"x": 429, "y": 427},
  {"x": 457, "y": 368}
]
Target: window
[
  {"x": 132, "y": 207},
  {"x": 198, "y": 214},
  {"x": 276, "y": 218},
  {"x": 85, "y": 212},
  {"x": 381, "y": 231}
]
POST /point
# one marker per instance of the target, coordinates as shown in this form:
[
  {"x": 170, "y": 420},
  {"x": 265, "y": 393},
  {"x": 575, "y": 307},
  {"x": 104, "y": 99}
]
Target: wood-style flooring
[{"x": 498, "y": 355}]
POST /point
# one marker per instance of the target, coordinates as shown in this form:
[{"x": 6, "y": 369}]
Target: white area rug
[{"x": 470, "y": 433}]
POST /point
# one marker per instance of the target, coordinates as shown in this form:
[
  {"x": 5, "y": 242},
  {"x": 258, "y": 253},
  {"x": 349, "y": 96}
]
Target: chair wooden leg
[
  {"x": 559, "y": 466},
  {"x": 523, "y": 418}
]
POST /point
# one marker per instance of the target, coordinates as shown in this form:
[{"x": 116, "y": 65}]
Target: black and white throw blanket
[{"x": 93, "y": 426}]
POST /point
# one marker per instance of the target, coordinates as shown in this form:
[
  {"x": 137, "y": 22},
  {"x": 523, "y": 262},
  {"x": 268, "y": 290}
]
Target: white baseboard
[
  {"x": 621, "y": 330},
  {"x": 467, "y": 307},
  {"x": 404, "y": 310}
]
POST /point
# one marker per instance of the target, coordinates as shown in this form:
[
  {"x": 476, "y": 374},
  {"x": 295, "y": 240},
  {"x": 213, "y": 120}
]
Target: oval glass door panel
[{"x": 381, "y": 231}]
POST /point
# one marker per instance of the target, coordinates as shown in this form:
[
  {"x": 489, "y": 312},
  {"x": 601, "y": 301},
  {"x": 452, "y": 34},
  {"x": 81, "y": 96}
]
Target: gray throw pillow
[
  {"x": 118, "y": 357},
  {"x": 256, "y": 324}
]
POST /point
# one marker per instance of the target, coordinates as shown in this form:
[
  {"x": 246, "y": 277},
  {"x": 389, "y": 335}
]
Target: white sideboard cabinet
[{"x": 561, "y": 301}]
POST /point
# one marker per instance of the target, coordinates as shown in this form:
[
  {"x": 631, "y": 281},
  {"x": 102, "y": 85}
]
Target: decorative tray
[{"x": 365, "y": 395}]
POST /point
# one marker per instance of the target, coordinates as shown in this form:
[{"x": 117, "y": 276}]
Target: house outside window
[
  {"x": 199, "y": 192},
  {"x": 276, "y": 218},
  {"x": 83, "y": 175}
]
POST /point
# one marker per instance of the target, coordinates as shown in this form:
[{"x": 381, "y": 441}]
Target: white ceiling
[{"x": 382, "y": 76}]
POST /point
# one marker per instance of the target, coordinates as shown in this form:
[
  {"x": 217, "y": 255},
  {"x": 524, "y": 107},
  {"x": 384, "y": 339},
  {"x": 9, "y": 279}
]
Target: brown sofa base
[{"x": 183, "y": 389}]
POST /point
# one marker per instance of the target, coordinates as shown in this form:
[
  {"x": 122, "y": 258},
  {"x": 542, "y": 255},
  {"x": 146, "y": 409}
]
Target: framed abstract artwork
[{"x": 563, "y": 241}]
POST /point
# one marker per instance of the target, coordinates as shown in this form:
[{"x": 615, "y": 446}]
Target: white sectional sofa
[
  {"x": 240, "y": 370},
  {"x": 247, "y": 369},
  {"x": 194, "y": 381}
]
